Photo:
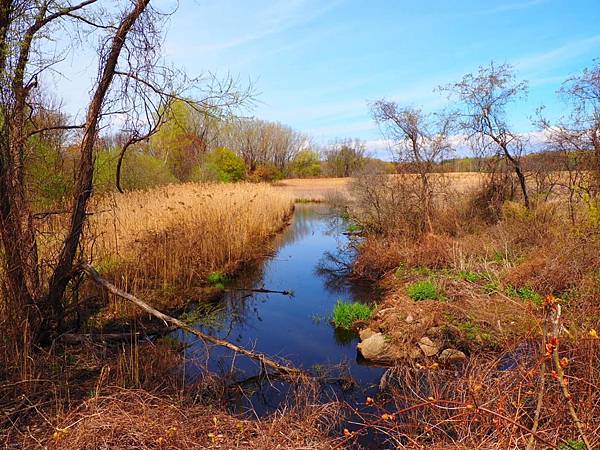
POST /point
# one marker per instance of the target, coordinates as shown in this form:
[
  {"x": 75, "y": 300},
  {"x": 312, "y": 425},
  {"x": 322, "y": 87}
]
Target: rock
[
  {"x": 365, "y": 333},
  {"x": 428, "y": 347},
  {"x": 375, "y": 348},
  {"x": 414, "y": 352},
  {"x": 452, "y": 356},
  {"x": 409, "y": 318},
  {"x": 382, "y": 312},
  {"x": 434, "y": 332}
]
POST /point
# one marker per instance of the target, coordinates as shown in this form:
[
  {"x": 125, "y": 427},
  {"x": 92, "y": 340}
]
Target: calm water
[{"x": 309, "y": 260}]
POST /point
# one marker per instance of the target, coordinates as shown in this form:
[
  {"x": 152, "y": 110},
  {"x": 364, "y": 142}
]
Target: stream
[{"x": 310, "y": 260}]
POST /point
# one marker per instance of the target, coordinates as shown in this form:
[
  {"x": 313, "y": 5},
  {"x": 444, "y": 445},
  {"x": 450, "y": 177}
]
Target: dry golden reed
[{"x": 180, "y": 233}]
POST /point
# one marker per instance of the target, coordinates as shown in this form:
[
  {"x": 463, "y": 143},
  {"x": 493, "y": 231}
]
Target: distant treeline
[{"x": 548, "y": 160}]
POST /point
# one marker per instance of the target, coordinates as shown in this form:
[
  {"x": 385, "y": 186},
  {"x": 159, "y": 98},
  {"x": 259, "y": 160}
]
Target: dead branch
[
  {"x": 264, "y": 361},
  {"x": 72, "y": 338},
  {"x": 262, "y": 291},
  {"x": 555, "y": 319}
]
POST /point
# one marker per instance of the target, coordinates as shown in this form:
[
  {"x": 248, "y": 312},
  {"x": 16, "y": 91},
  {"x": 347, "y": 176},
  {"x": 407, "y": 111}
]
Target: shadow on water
[{"x": 312, "y": 260}]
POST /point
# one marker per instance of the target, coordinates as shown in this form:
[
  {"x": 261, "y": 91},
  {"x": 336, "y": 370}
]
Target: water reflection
[{"x": 311, "y": 260}]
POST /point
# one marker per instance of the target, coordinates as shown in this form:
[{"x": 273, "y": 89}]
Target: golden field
[{"x": 323, "y": 189}]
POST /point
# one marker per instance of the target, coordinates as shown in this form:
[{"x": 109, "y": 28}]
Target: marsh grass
[
  {"x": 346, "y": 314},
  {"x": 184, "y": 235}
]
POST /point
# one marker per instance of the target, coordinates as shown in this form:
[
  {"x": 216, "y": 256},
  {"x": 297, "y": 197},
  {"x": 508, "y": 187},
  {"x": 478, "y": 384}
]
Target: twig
[
  {"x": 540, "y": 398},
  {"x": 73, "y": 338},
  {"x": 561, "y": 374}
]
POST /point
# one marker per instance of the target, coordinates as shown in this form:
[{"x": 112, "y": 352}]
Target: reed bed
[{"x": 177, "y": 235}]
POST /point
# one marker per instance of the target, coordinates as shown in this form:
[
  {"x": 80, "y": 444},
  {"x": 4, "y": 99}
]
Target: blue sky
[{"x": 317, "y": 64}]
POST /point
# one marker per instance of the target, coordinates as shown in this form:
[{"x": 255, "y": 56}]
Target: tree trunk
[
  {"x": 63, "y": 272},
  {"x": 523, "y": 185},
  {"x": 18, "y": 238}
]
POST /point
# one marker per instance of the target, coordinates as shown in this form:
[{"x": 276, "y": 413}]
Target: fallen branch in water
[
  {"x": 262, "y": 291},
  {"x": 75, "y": 338},
  {"x": 265, "y": 361}
]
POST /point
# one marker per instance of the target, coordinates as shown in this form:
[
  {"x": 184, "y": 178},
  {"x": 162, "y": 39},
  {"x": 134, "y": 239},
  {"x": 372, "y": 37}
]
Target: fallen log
[
  {"x": 261, "y": 290},
  {"x": 77, "y": 338},
  {"x": 264, "y": 360}
]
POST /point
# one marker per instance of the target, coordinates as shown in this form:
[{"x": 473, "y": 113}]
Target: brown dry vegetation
[
  {"x": 492, "y": 269},
  {"x": 315, "y": 189},
  {"x": 170, "y": 238},
  {"x": 181, "y": 233}
]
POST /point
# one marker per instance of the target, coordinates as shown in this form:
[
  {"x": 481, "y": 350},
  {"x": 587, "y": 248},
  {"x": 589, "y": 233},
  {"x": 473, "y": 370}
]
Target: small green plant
[
  {"x": 474, "y": 333},
  {"x": 525, "y": 293},
  {"x": 471, "y": 277},
  {"x": 491, "y": 287},
  {"x": 400, "y": 271},
  {"x": 572, "y": 444},
  {"x": 424, "y": 290},
  {"x": 345, "y": 314},
  {"x": 318, "y": 368},
  {"x": 353, "y": 228},
  {"x": 217, "y": 279},
  {"x": 424, "y": 271}
]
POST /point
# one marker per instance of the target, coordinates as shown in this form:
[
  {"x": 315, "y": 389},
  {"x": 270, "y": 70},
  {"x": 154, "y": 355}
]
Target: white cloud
[{"x": 567, "y": 51}]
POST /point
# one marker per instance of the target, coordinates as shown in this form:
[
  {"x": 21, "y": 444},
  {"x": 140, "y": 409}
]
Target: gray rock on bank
[
  {"x": 451, "y": 356},
  {"x": 374, "y": 347}
]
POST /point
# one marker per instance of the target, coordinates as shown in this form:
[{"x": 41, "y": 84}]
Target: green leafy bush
[
  {"x": 306, "y": 164},
  {"x": 424, "y": 290},
  {"x": 345, "y": 314},
  {"x": 221, "y": 164},
  {"x": 139, "y": 171}
]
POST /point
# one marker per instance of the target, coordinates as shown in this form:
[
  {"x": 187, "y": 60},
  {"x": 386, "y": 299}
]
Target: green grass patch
[
  {"x": 217, "y": 279},
  {"x": 471, "y": 277},
  {"x": 491, "y": 287},
  {"x": 345, "y": 314},
  {"x": 400, "y": 271},
  {"x": 353, "y": 228},
  {"x": 572, "y": 445},
  {"x": 424, "y": 290},
  {"x": 308, "y": 200},
  {"x": 525, "y": 293}
]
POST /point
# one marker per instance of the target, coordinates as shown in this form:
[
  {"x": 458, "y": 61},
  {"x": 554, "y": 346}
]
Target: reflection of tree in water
[
  {"x": 305, "y": 217},
  {"x": 336, "y": 270}
]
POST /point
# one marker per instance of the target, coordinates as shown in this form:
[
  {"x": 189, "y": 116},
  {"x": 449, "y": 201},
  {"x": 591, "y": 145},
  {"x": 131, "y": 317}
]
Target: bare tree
[
  {"x": 577, "y": 135},
  {"x": 345, "y": 158},
  {"x": 421, "y": 141},
  {"x": 260, "y": 142},
  {"x": 484, "y": 96},
  {"x": 132, "y": 83}
]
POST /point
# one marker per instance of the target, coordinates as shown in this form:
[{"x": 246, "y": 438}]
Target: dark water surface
[{"x": 309, "y": 260}]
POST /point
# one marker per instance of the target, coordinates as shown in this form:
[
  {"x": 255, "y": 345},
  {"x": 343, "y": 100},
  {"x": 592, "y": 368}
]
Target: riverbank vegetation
[
  {"x": 489, "y": 263},
  {"x": 491, "y": 310}
]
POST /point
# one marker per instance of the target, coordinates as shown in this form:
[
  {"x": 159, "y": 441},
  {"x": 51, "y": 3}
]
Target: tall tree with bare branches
[
  {"x": 484, "y": 97},
  {"x": 132, "y": 83},
  {"x": 420, "y": 141}
]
